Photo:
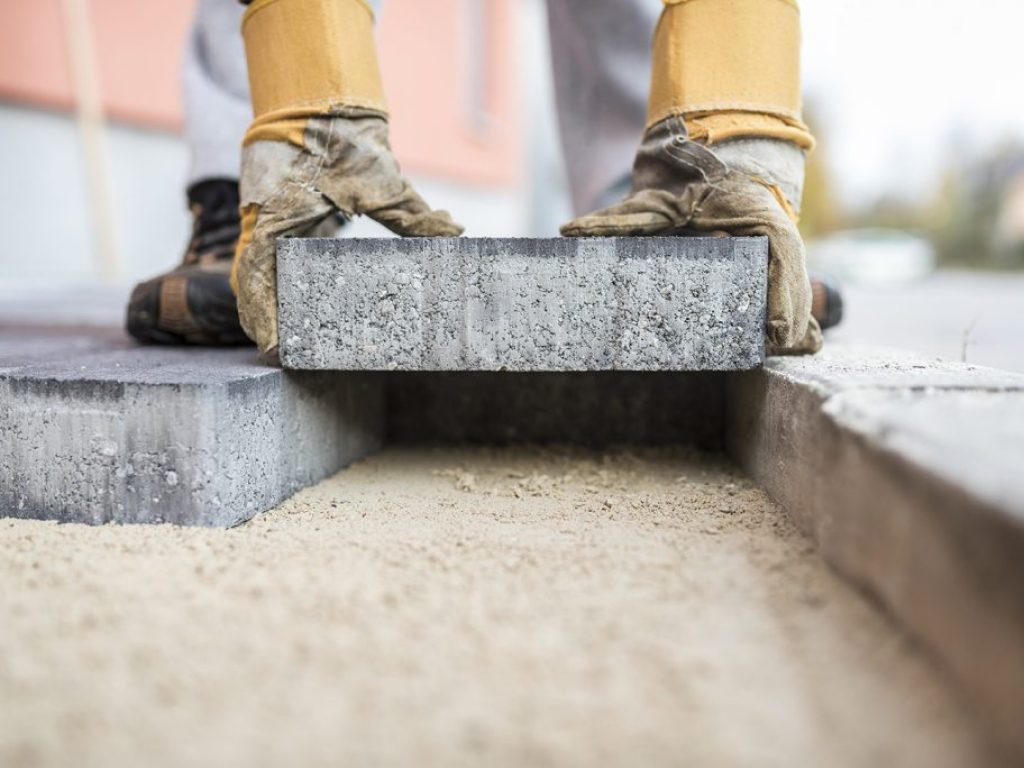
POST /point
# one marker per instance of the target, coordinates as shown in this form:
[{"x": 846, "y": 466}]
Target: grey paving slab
[
  {"x": 908, "y": 474},
  {"x": 21, "y": 345},
  {"x": 971, "y": 315},
  {"x": 112, "y": 432},
  {"x": 562, "y": 304}
]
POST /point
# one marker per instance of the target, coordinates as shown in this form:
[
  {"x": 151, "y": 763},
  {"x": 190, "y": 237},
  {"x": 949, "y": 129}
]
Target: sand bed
[{"x": 437, "y": 607}]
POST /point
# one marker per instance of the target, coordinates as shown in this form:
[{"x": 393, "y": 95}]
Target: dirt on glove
[{"x": 464, "y": 607}]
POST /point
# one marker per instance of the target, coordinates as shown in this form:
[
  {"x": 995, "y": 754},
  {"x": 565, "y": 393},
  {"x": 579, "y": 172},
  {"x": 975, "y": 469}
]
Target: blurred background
[{"x": 914, "y": 200}]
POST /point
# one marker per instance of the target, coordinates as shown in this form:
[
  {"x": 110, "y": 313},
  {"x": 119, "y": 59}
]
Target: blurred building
[{"x": 466, "y": 79}]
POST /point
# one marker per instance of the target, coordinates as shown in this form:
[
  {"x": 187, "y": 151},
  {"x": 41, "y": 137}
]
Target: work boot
[
  {"x": 826, "y": 302},
  {"x": 194, "y": 303}
]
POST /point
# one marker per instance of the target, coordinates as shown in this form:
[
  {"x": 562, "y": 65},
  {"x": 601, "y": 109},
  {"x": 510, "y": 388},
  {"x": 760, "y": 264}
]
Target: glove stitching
[{"x": 322, "y": 160}]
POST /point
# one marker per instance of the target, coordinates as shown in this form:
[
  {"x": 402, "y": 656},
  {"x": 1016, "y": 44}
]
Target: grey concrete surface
[
  {"x": 95, "y": 429},
  {"x": 446, "y": 304},
  {"x": 973, "y": 317},
  {"x": 907, "y": 473}
]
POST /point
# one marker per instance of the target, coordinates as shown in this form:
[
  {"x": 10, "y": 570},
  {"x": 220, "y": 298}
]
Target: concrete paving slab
[
  {"x": 907, "y": 473},
  {"x": 970, "y": 315},
  {"x": 561, "y": 304},
  {"x": 94, "y": 429}
]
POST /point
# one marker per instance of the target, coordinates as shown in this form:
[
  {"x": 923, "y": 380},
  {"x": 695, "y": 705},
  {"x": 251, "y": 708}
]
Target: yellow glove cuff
[
  {"x": 726, "y": 56},
  {"x": 714, "y": 127},
  {"x": 249, "y": 214},
  {"x": 307, "y": 57}
]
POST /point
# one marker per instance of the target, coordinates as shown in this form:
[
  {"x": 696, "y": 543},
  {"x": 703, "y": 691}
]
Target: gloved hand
[
  {"x": 724, "y": 146},
  {"x": 741, "y": 187},
  {"x": 346, "y": 165},
  {"x": 318, "y": 146}
]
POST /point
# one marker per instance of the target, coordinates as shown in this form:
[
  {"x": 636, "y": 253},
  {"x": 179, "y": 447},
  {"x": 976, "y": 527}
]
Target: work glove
[
  {"x": 345, "y": 165},
  {"x": 724, "y": 148},
  {"x": 743, "y": 187},
  {"x": 318, "y": 146}
]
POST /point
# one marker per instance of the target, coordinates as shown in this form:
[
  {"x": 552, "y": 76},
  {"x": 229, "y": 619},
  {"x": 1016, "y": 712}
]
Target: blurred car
[{"x": 872, "y": 256}]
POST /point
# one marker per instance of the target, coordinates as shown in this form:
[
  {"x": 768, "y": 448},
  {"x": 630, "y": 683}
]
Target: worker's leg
[
  {"x": 601, "y": 60},
  {"x": 724, "y": 146},
  {"x": 194, "y": 303},
  {"x": 215, "y": 91},
  {"x": 318, "y": 144}
]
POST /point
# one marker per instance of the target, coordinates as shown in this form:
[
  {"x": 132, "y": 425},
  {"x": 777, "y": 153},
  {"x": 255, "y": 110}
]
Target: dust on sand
[{"x": 464, "y": 606}]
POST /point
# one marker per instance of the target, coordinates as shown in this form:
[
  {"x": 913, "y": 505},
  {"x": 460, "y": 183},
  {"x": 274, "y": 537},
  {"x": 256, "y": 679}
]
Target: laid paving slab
[
  {"x": 96, "y": 429},
  {"x": 907, "y": 473},
  {"x": 516, "y": 304}
]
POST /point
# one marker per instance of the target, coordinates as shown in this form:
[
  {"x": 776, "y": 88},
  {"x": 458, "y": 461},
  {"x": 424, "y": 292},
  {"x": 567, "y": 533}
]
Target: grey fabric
[
  {"x": 601, "y": 61},
  {"x": 215, "y": 91},
  {"x": 774, "y": 161}
]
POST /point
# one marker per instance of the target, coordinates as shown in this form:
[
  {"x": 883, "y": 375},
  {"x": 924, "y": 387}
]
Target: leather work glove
[
  {"x": 742, "y": 187},
  {"x": 724, "y": 147},
  {"x": 318, "y": 146},
  {"x": 345, "y": 165}
]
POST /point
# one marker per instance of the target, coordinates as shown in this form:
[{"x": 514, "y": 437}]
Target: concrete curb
[
  {"x": 908, "y": 475},
  {"x": 523, "y": 304},
  {"x": 96, "y": 429}
]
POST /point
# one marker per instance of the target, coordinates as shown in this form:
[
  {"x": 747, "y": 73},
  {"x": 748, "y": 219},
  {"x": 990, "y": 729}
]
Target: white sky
[{"x": 898, "y": 83}]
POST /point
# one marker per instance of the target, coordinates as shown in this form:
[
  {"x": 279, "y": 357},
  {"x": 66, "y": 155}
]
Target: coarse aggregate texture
[
  {"x": 907, "y": 473},
  {"x": 94, "y": 429},
  {"x": 464, "y": 607},
  {"x": 522, "y": 304}
]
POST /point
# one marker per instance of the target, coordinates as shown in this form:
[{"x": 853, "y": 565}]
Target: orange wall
[
  {"x": 138, "y": 48},
  {"x": 427, "y": 58},
  {"x": 425, "y": 61}
]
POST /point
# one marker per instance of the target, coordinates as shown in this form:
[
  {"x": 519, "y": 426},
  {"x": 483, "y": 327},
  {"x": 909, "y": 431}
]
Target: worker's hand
[
  {"x": 336, "y": 163},
  {"x": 745, "y": 187}
]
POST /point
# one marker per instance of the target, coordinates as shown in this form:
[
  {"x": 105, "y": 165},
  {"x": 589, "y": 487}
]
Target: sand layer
[{"x": 464, "y": 607}]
